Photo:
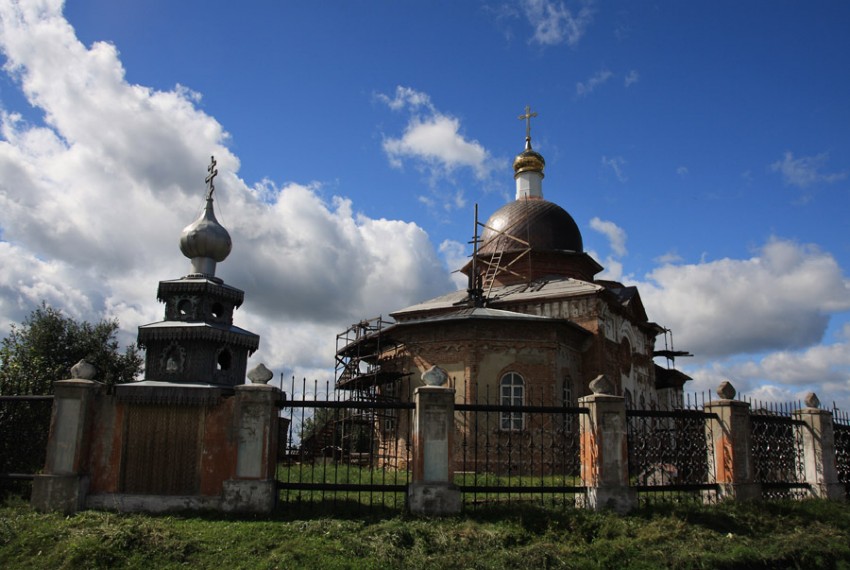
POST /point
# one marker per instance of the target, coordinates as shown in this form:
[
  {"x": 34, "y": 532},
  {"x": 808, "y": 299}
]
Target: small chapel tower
[{"x": 197, "y": 342}]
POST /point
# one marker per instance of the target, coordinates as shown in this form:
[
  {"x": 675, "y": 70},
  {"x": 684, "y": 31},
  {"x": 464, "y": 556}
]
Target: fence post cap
[
  {"x": 260, "y": 374},
  {"x": 435, "y": 376},
  {"x": 726, "y": 390},
  {"x": 83, "y": 370},
  {"x": 811, "y": 400},
  {"x": 601, "y": 385}
]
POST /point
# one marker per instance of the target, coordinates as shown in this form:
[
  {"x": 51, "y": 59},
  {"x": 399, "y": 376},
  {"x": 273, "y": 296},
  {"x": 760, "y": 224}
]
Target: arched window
[
  {"x": 223, "y": 360},
  {"x": 512, "y": 393}
]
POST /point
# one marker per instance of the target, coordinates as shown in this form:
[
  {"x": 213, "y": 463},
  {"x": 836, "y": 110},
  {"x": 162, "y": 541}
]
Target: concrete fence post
[
  {"x": 604, "y": 450},
  {"x": 253, "y": 488},
  {"x": 818, "y": 441},
  {"x": 730, "y": 451},
  {"x": 432, "y": 491},
  {"x": 64, "y": 484}
]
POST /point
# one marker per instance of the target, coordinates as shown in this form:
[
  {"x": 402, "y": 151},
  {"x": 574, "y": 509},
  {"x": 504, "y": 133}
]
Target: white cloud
[
  {"x": 436, "y": 141},
  {"x": 682, "y": 171},
  {"x": 587, "y": 87},
  {"x": 406, "y": 97},
  {"x": 554, "y": 23},
  {"x": 805, "y": 171},
  {"x": 456, "y": 256},
  {"x": 669, "y": 257},
  {"x": 782, "y": 298},
  {"x": 615, "y": 234},
  {"x": 432, "y": 138},
  {"x": 92, "y": 202},
  {"x": 631, "y": 78},
  {"x": 616, "y": 164},
  {"x": 784, "y": 375}
]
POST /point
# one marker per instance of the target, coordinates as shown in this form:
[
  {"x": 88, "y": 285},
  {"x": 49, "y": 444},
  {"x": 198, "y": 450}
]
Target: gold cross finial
[
  {"x": 209, "y": 179},
  {"x": 527, "y": 118}
]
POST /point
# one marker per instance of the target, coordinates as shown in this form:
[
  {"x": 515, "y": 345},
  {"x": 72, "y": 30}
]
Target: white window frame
[{"x": 511, "y": 393}]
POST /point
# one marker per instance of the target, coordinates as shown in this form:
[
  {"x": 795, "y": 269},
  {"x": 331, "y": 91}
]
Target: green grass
[
  {"x": 329, "y": 472},
  {"x": 807, "y": 534}
]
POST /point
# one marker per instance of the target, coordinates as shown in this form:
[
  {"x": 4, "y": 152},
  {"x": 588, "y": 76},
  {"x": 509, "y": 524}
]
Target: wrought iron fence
[
  {"x": 670, "y": 454},
  {"x": 518, "y": 453},
  {"x": 777, "y": 450},
  {"x": 841, "y": 430},
  {"x": 24, "y": 427},
  {"x": 344, "y": 446}
]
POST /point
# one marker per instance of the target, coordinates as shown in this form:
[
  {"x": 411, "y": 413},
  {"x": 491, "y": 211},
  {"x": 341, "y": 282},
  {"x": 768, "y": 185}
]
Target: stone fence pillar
[
  {"x": 731, "y": 449},
  {"x": 254, "y": 489},
  {"x": 604, "y": 450},
  {"x": 432, "y": 491},
  {"x": 819, "y": 451},
  {"x": 64, "y": 484}
]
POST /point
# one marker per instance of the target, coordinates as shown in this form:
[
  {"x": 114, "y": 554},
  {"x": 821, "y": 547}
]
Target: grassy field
[{"x": 809, "y": 534}]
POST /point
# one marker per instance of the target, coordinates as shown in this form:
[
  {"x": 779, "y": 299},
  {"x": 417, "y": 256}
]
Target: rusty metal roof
[
  {"x": 542, "y": 225},
  {"x": 522, "y": 292}
]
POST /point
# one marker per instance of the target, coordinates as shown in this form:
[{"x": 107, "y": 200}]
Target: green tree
[{"x": 47, "y": 344}]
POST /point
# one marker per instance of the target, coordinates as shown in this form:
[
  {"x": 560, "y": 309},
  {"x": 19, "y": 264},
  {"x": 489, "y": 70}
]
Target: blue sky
[{"x": 702, "y": 148}]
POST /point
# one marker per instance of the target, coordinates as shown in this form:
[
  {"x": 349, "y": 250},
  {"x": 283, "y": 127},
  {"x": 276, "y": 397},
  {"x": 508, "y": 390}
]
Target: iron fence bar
[
  {"x": 349, "y": 404},
  {"x": 777, "y": 420},
  {"x": 671, "y": 414},
  {"x": 353, "y": 487},
  {"x": 783, "y": 485},
  {"x": 527, "y": 409},
  {"x": 18, "y": 476},
  {"x": 25, "y": 398},
  {"x": 516, "y": 489},
  {"x": 677, "y": 487}
]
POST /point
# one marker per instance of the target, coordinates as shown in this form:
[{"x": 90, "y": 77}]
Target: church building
[{"x": 534, "y": 326}]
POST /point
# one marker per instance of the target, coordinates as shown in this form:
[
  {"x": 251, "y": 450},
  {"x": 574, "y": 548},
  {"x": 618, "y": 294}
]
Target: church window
[
  {"x": 625, "y": 356},
  {"x": 223, "y": 359},
  {"x": 217, "y": 310},
  {"x": 184, "y": 307},
  {"x": 568, "y": 392},
  {"x": 512, "y": 393}
]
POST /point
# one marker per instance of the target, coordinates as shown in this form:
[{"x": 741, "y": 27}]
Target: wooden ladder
[{"x": 492, "y": 271}]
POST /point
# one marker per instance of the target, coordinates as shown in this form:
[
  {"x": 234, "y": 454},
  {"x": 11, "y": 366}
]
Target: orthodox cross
[
  {"x": 209, "y": 179},
  {"x": 527, "y": 118}
]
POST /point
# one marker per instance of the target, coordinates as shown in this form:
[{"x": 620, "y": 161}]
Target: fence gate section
[
  {"x": 776, "y": 440},
  {"x": 344, "y": 447},
  {"x": 670, "y": 455},
  {"x": 24, "y": 425},
  {"x": 841, "y": 431},
  {"x": 518, "y": 453}
]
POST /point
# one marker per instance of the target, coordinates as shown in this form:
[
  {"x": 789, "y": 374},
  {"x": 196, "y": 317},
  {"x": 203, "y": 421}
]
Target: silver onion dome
[{"x": 205, "y": 241}]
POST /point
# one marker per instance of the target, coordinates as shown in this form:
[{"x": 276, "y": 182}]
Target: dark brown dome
[{"x": 544, "y": 225}]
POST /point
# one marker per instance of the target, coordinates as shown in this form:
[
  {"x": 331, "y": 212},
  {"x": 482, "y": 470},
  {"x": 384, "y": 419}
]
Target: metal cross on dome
[
  {"x": 527, "y": 118},
  {"x": 209, "y": 179}
]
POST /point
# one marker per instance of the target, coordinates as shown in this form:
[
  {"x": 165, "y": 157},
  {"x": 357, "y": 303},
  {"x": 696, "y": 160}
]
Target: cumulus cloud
[
  {"x": 432, "y": 142},
  {"x": 780, "y": 299},
  {"x": 616, "y": 237},
  {"x": 456, "y": 256},
  {"x": 589, "y": 86},
  {"x": 631, "y": 78},
  {"x": 805, "y": 171},
  {"x": 92, "y": 201},
  {"x": 432, "y": 138},
  {"x": 784, "y": 375},
  {"x": 554, "y": 23},
  {"x": 615, "y": 234}
]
